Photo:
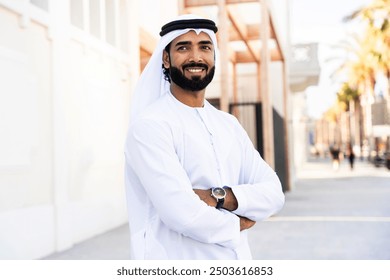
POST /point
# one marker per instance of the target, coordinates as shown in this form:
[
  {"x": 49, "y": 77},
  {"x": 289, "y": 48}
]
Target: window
[
  {"x": 110, "y": 22},
  {"x": 104, "y": 19},
  {"x": 76, "y": 13},
  {"x": 43, "y": 4},
  {"x": 94, "y": 18},
  {"x": 123, "y": 26}
]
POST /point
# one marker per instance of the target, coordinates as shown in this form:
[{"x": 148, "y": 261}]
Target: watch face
[{"x": 219, "y": 193}]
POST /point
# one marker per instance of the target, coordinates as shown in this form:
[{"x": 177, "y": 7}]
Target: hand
[
  {"x": 205, "y": 195},
  {"x": 230, "y": 203},
  {"x": 230, "y": 200},
  {"x": 246, "y": 223}
]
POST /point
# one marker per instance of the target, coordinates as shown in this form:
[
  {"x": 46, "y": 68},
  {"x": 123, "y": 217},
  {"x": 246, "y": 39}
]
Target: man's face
[{"x": 191, "y": 61}]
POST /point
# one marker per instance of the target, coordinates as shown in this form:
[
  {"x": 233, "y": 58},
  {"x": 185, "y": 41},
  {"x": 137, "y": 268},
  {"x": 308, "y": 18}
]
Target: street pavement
[{"x": 328, "y": 215}]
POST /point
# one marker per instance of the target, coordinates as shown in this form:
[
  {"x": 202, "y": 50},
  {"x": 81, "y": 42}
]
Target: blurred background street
[{"x": 331, "y": 215}]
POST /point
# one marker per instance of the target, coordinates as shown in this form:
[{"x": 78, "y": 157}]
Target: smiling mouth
[{"x": 195, "y": 70}]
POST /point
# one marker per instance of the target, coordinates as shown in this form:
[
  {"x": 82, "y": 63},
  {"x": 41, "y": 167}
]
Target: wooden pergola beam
[
  {"x": 246, "y": 57},
  {"x": 242, "y": 32},
  {"x": 264, "y": 93},
  {"x": 224, "y": 53},
  {"x": 276, "y": 55},
  {"x": 252, "y": 33},
  {"x": 274, "y": 36},
  {"x": 232, "y": 56}
]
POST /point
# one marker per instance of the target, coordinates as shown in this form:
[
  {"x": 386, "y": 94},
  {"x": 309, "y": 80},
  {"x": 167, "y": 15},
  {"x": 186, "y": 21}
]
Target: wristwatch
[{"x": 219, "y": 194}]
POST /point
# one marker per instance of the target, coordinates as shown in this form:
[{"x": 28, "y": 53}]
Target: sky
[{"x": 321, "y": 21}]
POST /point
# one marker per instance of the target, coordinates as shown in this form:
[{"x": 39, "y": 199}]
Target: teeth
[{"x": 197, "y": 70}]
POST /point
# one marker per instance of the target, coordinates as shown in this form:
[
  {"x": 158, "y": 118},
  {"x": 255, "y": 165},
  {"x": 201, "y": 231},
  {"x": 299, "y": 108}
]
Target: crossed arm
[
  {"x": 149, "y": 145},
  {"x": 230, "y": 204}
]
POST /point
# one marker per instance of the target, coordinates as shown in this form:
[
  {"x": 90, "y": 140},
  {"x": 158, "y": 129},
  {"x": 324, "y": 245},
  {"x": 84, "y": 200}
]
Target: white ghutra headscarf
[{"x": 152, "y": 84}]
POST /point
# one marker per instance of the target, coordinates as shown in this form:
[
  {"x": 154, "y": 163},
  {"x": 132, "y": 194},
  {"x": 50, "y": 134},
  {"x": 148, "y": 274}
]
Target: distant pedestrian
[
  {"x": 351, "y": 157},
  {"x": 335, "y": 153}
]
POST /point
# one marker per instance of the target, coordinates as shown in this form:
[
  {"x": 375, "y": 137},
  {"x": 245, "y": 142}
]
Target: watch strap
[{"x": 220, "y": 203}]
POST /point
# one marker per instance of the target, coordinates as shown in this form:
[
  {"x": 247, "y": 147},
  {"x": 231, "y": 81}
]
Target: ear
[{"x": 166, "y": 59}]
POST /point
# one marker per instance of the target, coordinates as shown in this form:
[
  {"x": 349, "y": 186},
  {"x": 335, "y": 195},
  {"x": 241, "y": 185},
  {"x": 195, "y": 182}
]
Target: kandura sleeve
[
  {"x": 151, "y": 152},
  {"x": 260, "y": 193}
]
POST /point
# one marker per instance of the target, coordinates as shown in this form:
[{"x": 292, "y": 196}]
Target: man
[{"x": 194, "y": 181}]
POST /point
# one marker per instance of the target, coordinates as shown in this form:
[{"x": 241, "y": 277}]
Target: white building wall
[
  {"x": 157, "y": 13},
  {"x": 64, "y": 106},
  {"x": 26, "y": 209}
]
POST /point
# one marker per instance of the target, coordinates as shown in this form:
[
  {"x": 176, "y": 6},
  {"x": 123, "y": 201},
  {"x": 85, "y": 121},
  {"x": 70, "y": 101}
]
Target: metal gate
[{"x": 249, "y": 115}]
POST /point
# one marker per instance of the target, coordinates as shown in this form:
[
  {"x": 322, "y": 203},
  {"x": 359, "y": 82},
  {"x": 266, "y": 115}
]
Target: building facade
[{"x": 67, "y": 69}]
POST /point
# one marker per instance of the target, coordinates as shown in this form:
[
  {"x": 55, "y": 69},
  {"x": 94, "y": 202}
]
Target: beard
[{"x": 196, "y": 83}]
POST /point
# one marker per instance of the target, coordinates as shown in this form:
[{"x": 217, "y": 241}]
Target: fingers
[{"x": 246, "y": 223}]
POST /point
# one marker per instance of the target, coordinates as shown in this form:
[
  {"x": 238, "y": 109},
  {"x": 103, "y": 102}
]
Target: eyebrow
[
  {"x": 204, "y": 42},
  {"x": 182, "y": 43}
]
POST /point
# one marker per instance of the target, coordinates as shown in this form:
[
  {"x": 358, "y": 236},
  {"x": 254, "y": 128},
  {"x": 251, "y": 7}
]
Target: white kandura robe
[{"x": 170, "y": 150}]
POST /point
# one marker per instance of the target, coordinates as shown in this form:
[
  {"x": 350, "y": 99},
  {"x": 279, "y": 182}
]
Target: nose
[{"x": 196, "y": 56}]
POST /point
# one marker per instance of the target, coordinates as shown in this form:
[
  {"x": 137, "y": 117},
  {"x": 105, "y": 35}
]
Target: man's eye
[
  {"x": 206, "y": 47},
  {"x": 182, "y": 48}
]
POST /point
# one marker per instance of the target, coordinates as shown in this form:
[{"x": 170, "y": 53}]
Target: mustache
[{"x": 195, "y": 64}]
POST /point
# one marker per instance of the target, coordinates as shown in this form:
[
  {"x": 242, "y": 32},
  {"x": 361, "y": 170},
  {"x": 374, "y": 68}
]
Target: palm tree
[
  {"x": 349, "y": 96},
  {"x": 359, "y": 69},
  {"x": 368, "y": 55},
  {"x": 376, "y": 16},
  {"x": 334, "y": 128}
]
